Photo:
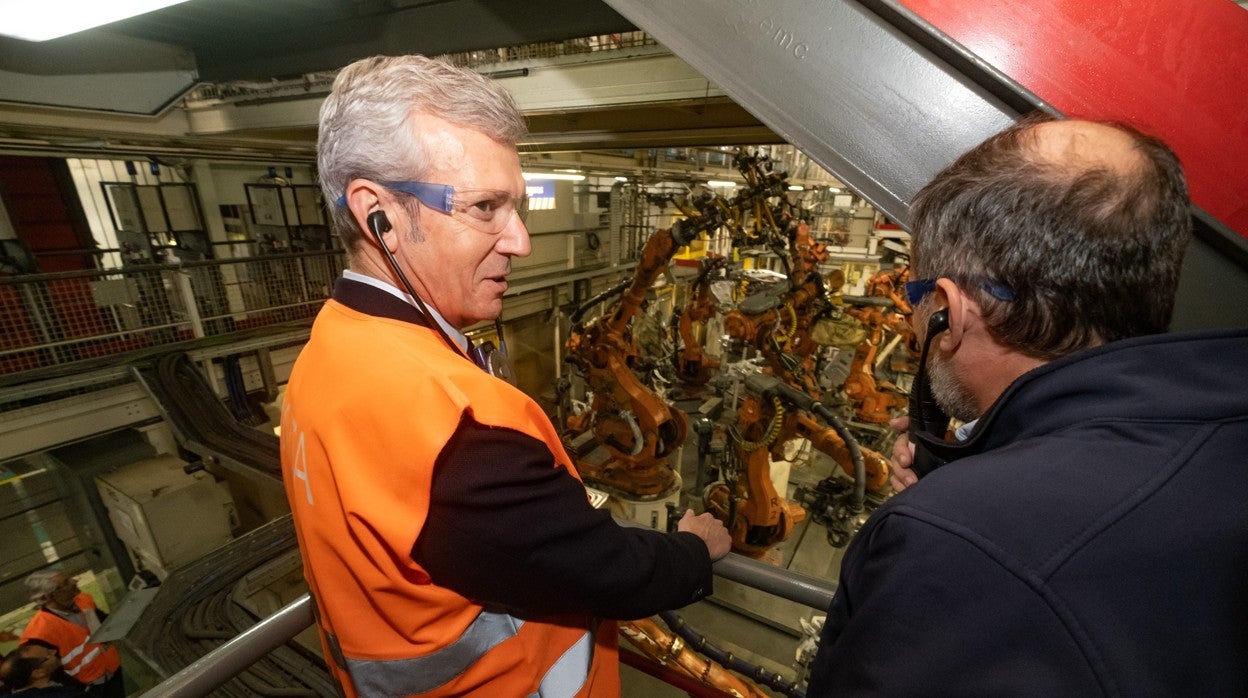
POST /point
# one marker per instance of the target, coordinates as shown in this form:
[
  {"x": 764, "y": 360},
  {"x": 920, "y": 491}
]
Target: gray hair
[
  {"x": 366, "y": 123},
  {"x": 41, "y": 583},
  {"x": 1093, "y": 254}
]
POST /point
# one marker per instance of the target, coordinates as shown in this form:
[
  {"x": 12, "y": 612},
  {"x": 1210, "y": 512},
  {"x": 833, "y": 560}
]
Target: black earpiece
[
  {"x": 378, "y": 223},
  {"x": 928, "y": 422}
]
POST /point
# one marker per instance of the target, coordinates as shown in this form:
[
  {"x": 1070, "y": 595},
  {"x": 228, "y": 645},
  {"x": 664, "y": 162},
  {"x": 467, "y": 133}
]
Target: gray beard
[{"x": 951, "y": 394}]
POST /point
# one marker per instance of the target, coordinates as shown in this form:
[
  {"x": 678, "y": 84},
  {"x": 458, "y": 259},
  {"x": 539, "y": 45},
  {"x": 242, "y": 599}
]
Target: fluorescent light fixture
[
  {"x": 720, "y": 183},
  {"x": 621, "y": 179},
  {"x": 554, "y": 175},
  {"x": 40, "y": 20},
  {"x": 796, "y": 187}
]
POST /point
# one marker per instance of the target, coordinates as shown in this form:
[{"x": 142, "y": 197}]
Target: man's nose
[{"x": 514, "y": 239}]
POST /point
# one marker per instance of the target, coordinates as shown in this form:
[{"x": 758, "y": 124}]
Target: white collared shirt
[{"x": 455, "y": 334}]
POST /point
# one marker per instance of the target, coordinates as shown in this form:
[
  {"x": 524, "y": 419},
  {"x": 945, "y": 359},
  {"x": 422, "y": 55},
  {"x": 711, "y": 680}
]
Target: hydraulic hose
[
  {"x": 855, "y": 453},
  {"x": 726, "y": 659},
  {"x": 613, "y": 291},
  {"x": 762, "y": 384}
]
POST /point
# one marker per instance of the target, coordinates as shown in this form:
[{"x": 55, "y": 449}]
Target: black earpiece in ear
[
  {"x": 378, "y": 223},
  {"x": 938, "y": 322}
]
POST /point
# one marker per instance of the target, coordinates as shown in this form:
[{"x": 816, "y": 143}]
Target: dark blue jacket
[{"x": 1091, "y": 540}]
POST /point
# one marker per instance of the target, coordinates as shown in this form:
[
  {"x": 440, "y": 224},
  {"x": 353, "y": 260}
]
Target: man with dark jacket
[{"x": 1089, "y": 534}]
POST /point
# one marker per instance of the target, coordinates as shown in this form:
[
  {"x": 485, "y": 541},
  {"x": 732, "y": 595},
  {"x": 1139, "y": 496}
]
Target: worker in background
[
  {"x": 34, "y": 669},
  {"x": 1089, "y": 535},
  {"x": 65, "y": 620},
  {"x": 447, "y": 541}
]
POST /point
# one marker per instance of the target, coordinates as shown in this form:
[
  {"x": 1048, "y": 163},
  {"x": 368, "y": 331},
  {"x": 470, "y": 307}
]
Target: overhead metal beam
[
  {"x": 884, "y": 101},
  {"x": 863, "y": 100}
]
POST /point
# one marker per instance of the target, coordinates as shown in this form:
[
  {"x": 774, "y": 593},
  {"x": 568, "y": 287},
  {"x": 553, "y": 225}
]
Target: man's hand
[
  {"x": 903, "y": 456},
  {"x": 710, "y": 529}
]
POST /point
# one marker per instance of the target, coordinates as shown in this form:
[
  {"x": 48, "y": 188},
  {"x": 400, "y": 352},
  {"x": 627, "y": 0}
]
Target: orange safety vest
[
  {"x": 85, "y": 661},
  {"x": 370, "y": 404}
]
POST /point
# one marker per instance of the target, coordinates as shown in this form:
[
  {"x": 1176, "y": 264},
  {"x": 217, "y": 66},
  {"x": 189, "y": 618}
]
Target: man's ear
[
  {"x": 364, "y": 198},
  {"x": 961, "y": 308}
]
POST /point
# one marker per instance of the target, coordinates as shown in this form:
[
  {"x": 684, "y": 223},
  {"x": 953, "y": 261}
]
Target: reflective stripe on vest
[
  {"x": 398, "y": 677},
  {"x": 567, "y": 677},
  {"x": 72, "y": 664}
]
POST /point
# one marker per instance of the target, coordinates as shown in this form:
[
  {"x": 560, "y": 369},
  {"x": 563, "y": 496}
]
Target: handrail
[
  {"x": 202, "y": 676},
  {"x": 205, "y": 674},
  {"x": 794, "y": 586}
]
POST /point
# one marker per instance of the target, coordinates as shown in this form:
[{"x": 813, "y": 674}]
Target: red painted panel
[
  {"x": 18, "y": 332},
  {"x": 76, "y": 313},
  {"x": 1177, "y": 69}
]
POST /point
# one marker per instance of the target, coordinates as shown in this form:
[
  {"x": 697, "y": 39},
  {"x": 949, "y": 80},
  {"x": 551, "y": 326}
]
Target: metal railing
[
  {"x": 62, "y": 318},
  {"x": 204, "y": 675}
]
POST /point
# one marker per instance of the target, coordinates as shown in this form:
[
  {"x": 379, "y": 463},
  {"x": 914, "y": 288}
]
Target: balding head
[
  {"x": 1081, "y": 146},
  {"x": 1086, "y": 221}
]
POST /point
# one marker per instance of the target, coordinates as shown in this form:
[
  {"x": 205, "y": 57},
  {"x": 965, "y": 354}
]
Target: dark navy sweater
[{"x": 1091, "y": 539}]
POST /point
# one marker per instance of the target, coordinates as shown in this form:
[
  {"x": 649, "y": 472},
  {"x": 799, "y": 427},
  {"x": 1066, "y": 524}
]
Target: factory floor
[{"x": 758, "y": 627}]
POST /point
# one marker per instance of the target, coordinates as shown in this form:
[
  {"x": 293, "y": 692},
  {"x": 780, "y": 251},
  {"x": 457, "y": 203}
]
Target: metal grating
[{"x": 58, "y": 319}]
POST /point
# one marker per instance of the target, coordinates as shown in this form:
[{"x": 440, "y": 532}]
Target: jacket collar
[
  {"x": 1162, "y": 376},
  {"x": 371, "y": 300}
]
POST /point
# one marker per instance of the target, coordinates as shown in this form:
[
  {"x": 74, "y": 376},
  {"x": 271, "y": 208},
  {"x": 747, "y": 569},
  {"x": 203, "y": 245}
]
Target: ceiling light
[
  {"x": 553, "y": 175},
  {"x": 621, "y": 179},
  {"x": 49, "y": 19},
  {"x": 796, "y": 187},
  {"x": 720, "y": 183}
]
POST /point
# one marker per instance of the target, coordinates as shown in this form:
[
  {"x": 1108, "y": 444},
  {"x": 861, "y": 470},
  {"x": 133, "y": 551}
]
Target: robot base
[{"x": 650, "y": 510}]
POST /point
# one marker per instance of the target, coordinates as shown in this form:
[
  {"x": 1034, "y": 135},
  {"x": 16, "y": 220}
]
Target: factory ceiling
[
  {"x": 111, "y": 88},
  {"x": 247, "y": 40}
]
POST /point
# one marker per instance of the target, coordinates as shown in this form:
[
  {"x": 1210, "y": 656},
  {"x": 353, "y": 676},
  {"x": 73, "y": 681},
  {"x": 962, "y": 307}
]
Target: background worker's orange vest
[
  {"x": 85, "y": 661},
  {"x": 370, "y": 404}
]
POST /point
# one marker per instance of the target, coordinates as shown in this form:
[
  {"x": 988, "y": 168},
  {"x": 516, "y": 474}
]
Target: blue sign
[{"x": 540, "y": 188}]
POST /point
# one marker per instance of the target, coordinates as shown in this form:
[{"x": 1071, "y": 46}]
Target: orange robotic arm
[
  {"x": 636, "y": 426},
  {"x": 693, "y": 366}
]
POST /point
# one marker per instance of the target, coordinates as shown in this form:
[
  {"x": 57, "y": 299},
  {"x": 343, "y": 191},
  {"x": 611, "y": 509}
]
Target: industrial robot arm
[
  {"x": 693, "y": 366},
  {"x": 770, "y": 414},
  {"x": 636, "y": 426}
]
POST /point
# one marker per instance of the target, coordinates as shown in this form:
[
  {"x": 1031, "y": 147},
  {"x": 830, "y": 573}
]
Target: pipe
[
  {"x": 794, "y": 586},
  {"x": 202, "y": 676}
]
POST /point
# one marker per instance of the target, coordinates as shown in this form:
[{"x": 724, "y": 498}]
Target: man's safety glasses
[
  {"x": 486, "y": 210},
  {"x": 917, "y": 290}
]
